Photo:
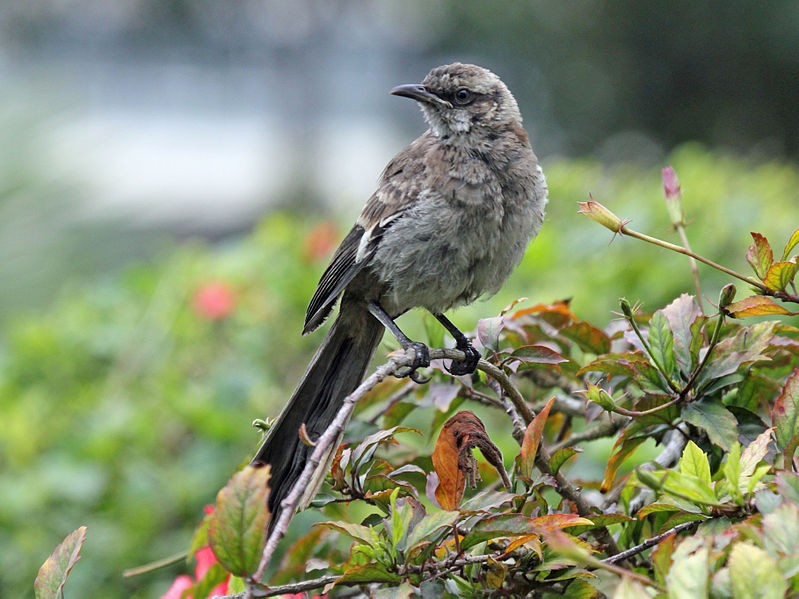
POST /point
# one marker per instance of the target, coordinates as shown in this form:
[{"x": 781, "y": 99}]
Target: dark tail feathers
[{"x": 334, "y": 372}]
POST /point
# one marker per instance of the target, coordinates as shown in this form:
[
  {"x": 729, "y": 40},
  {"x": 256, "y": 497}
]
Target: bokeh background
[{"x": 174, "y": 176}]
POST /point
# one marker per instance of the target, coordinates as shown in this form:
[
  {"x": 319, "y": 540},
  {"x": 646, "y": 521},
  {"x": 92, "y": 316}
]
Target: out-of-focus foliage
[{"x": 128, "y": 403}]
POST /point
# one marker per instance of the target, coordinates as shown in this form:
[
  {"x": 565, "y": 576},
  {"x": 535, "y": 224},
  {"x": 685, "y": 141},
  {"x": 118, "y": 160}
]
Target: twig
[
  {"x": 285, "y": 589},
  {"x": 650, "y": 542},
  {"x": 603, "y": 429},
  {"x": 395, "y": 398},
  {"x": 783, "y": 295},
  {"x": 694, "y": 268}
]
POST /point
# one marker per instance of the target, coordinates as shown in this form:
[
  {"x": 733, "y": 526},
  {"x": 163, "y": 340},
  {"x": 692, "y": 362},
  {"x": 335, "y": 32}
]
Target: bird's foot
[
  {"x": 469, "y": 364},
  {"x": 421, "y": 359}
]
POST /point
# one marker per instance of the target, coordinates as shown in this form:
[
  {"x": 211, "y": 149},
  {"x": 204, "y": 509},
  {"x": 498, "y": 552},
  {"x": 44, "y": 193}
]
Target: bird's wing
[{"x": 400, "y": 185}]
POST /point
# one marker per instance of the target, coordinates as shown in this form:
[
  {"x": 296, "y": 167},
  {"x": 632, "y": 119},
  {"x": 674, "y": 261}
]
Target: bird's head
[{"x": 461, "y": 98}]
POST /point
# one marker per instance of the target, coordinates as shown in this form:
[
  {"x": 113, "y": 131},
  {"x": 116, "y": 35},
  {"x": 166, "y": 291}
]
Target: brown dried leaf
[{"x": 453, "y": 460}]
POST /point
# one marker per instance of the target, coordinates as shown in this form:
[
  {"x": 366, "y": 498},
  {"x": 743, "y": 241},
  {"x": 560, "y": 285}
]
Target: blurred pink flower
[
  {"x": 214, "y": 301},
  {"x": 205, "y": 559}
]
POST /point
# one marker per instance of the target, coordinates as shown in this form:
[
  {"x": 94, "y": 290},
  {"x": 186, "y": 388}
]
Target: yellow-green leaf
[
  {"x": 759, "y": 255},
  {"x": 792, "y": 243},
  {"x": 755, "y": 305},
  {"x": 755, "y": 574},
  {"x": 780, "y": 275},
  {"x": 694, "y": 461},
  {"x": 49, "y": 583}
]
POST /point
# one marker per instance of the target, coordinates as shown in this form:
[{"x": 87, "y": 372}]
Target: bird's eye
[{"x": 463, "y": 96}]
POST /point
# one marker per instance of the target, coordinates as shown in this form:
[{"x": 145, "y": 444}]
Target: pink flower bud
[{"x": 673, "y": 194}]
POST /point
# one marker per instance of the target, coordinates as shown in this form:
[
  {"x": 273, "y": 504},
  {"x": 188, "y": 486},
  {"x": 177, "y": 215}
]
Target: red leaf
[
  {"x": 532, "y": 438},
  {"x": 616, "y": 460}
]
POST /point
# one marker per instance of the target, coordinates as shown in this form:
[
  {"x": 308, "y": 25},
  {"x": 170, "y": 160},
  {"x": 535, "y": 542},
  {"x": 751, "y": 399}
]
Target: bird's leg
[
  {"x": 421, "y": 353},
  {"x": 459, "y": 367}
]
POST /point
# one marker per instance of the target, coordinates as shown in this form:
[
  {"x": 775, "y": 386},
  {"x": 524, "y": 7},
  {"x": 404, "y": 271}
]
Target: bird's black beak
[{"x": 418, "y": 92}]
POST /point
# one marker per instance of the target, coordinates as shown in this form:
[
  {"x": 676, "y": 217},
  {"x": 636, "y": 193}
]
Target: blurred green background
[{"x": 174, "y": 176}]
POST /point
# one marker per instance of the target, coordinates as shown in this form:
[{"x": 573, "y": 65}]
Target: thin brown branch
[
  {"x": 763, "y": 289},
  {"x": 602, "y": 429},
  {"x": 694, "y": 268},
  {"x": 651, "y": 542}
]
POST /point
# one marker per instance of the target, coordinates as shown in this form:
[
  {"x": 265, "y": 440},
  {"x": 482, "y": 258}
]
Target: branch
[
  {"x": 323, "y": 444},
  {"x": 650, "y": 542},
  {"x": 326, "y": 440}
]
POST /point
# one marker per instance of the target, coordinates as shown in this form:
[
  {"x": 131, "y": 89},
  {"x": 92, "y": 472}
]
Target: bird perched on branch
[{"x": 452, "y": 216}]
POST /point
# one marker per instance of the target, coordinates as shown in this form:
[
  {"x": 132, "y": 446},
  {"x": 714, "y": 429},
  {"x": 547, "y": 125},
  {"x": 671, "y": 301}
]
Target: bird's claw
[
  {"x": 421, "y": 359},
  {"x": 469, "y": 364}
]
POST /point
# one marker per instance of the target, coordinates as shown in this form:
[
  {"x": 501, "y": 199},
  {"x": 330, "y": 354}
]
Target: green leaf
[
  {"x": 688, "y": 576},
  {"x": 429, "y": 524},
  {"x": 49, "y": 583},
  {"x": 781, "y": 531},
  {"x": 755, "y": 574},
  {"x": 368, "y": 573},
  {"x": 690, "y": 487},
  {"x": 399, "y": 519},
  {"x": 588, "y": 337},
  {"x": 630, "y": 589},
  {"x": 755, "y": 452},
  {"x": 694, "y": 461},
  {"x": 715, "y": 419},
  {"x": 681, "y": 314},
  {"x": 788, "y": 486},
  {"x": 367, "y": 448},
  {"x": 215, "y": 575},
  {"x": 359, "y": 532},
  {"x": 785, "y": 413},
  {"x": 661, "y": 343},
  {"x": 780, "y": 275},
  {"x": 560, "y": 456},
  {"x": 732, "y": 472},
  {"x": 488, "y": 330},
  {"x": 792, "y": 243},
  {"x": 237, "y": 529},
  {"x": 759, "y": 255}
]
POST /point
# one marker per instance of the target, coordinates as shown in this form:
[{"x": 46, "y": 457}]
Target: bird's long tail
[{"x": 334, "y": 372}]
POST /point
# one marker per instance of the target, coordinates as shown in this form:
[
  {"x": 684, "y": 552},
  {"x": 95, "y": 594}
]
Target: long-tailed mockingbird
[{"x": 451, "y": 218}]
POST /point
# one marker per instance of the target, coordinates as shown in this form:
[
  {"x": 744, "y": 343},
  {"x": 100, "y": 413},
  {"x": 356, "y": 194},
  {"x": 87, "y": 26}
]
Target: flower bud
[
  {"x": 727, "y": 295},
  {"x": 673, "y": 195},
  {"x": 597, "y": 212}
]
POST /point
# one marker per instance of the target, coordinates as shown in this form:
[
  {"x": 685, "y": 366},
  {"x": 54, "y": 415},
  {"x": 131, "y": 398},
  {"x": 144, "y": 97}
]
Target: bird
[{"x": 451, "y": 218}]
